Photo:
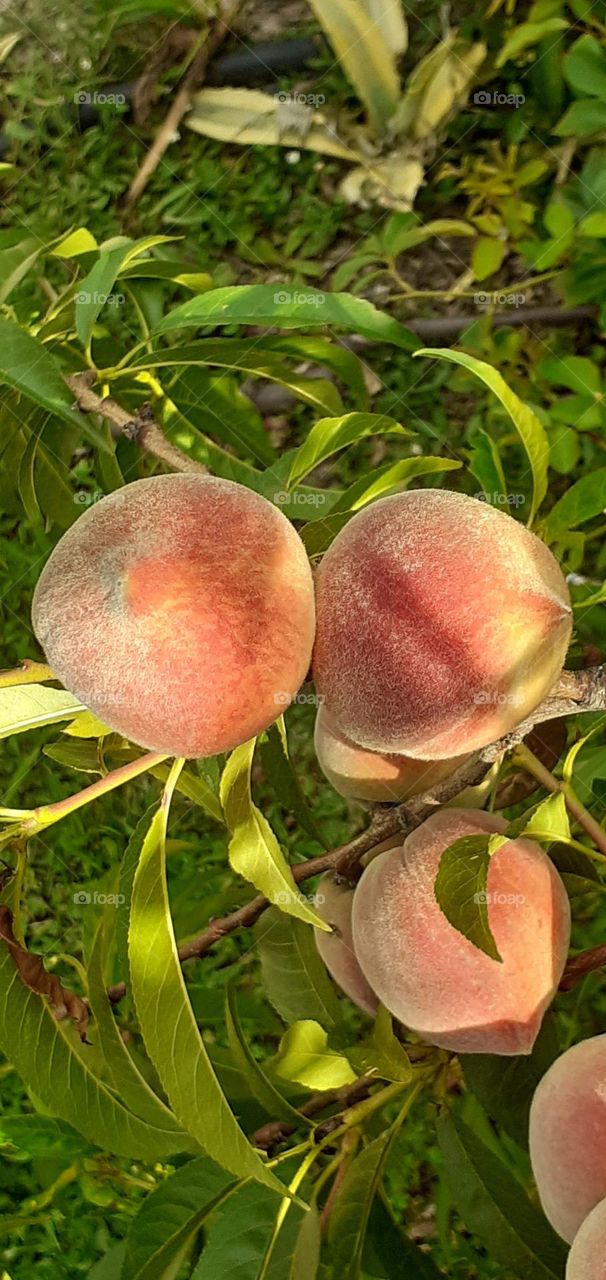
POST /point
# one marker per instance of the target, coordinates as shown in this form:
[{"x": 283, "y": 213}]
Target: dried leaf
[{"x": 33, "y": 975}]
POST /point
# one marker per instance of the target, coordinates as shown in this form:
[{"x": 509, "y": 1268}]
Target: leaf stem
[
  {"x": 46, "y": 815},
  {"x": 528, "y": 761}
]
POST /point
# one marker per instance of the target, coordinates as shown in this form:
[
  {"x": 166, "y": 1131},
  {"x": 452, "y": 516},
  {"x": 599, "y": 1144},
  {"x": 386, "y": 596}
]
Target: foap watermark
[
  {"x": 283, "y": 297},
  {"x": 282, "y": 498},
  {"x": 492, "y": 697},
  {"x": 284, "y": 699},
  {"x": 497, "y": 98},
  {"x": 483, "y": 898},
  {"x": 82, "y": 99},
  {"x": 300, "y": 99},
  {"x": 497, "y": 299},
  {"x": 501, "y": 499},
  {"x": 84, "y": 898},
  {"x": 87, "y": 497},
  {"x": 101, "y": 299}
]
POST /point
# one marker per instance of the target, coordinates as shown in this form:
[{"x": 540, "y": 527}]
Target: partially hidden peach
[
  {"x": 360, "y": 774},
  {"x": 180, "y": 610},
  {"x": 568, "y": 1135},
  {"x": 587, "y": 1258},
  {"x": 333, "y": 902},
  {"x": 441, "y": 624},
  {"x": 431, "y": 977}
]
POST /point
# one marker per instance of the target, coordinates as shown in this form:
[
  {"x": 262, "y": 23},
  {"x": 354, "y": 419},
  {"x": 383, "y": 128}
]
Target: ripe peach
[
  {"x": 360, "y": 774},
  {"x": 333, "y": 903},
  {"x": 180, "y": 610},
  {"x": 587, "y": 1258},
  {"x": 568, "y": 1135},
  {"x": 441, "y": 623},
  {"x": 431, "y": 977}
]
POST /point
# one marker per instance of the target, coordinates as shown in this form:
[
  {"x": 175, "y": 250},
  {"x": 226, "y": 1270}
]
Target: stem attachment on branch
[{"x": 143, "y": 428}]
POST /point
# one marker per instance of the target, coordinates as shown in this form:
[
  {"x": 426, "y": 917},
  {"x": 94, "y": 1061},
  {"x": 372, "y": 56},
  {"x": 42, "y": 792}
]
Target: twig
[
  {"x": 576, "y": 691},
  {"x": 191, "y": 81},
  {"x": 142, "y": 428},
  {"x": 270, "y": 1135},
  {"x": 578, "y": 968}
]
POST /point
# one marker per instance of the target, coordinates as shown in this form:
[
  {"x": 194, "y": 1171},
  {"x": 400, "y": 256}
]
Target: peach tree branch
[{"x": 142, "y": 428}]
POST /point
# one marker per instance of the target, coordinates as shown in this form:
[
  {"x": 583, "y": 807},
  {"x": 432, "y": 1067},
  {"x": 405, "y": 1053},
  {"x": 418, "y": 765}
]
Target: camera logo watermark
[
  {"x": 300, "y": 99},
  {"x": 85, "y": 498},
  {"x": 283, "y": 699},
  {"x": 501, "y": 499},
  {"x": 101, "y": 299},
  {"x": 497, "y": 98},
  {"x": 82, "y": 99},
  {"x": 483, "y": 898},
  {"x": 497, "y": 299},
  {"x": 283, "y": 297},
  {"x": 491, "y": 697},
  {"x": 281, "y": 498},
  {"x": 82, "y": 898}
]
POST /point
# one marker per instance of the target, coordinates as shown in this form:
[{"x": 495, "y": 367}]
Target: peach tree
[{"x": 422, "y": 965}]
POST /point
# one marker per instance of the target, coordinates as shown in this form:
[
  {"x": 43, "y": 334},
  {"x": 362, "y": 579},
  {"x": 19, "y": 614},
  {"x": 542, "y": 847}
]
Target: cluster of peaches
[{"x": 182, "y": 611}]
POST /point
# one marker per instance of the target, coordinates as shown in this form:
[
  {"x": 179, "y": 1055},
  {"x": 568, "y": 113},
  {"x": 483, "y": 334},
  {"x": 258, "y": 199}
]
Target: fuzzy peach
[
  {"x": 333, "y": 902},
  {"x": 360, "y": 774},
  {"x": 587, "y": 1258},
  {"x": 441, "y": 624},
  {"x": 180, "y": 610},
  {"x": 568, "y": 1135},
  {"x": 431, "y": 977}
]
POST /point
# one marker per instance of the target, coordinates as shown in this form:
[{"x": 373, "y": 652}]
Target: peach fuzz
[
  {"x": 359, "y": 774},
  {"x": 441, "y": 624},
  {"x": 180, "y": 610},
  {"x": 587, "y": 1258},
  {"x": 431, "y": 977},
  {"x": 568, "y": 1135},
  {"x": 333, "y": 902}
]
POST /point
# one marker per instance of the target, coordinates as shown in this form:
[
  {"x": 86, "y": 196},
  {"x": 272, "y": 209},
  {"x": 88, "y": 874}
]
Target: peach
[
  {"x": 180, "y": 610},
  {"x": 431, "y": 977},
  {"x": 587, "y": 1258},
  {"x": 568, "y": 1135},
  {"x": 441, "y": 624},
  {"x": 333, "y": 903},
  {"x": 360, "y": 774}
]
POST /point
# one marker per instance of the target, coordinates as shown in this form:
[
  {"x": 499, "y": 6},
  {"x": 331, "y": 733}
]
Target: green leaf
[
  {"x": 505, "y": 1087},
  {"x": 294, "y": 977},
  {"x": 331, "y": 434},
  {"x": 389, "y": 1254},
  {"x": 29, "y": 706},
  {"x": 550, "y": 819},
  {"x": 166, "y": 1019},
  {"x": 460, "y": 889},
  {"x": 582, "y": 119},
  {"x": 381, "y": 1053},
  {"x": 531, "y": 431},
  {"x": 125, "y": 1077},
  {"x": 285, "y": 783},
  {"x": 305, "y": 1057},
  {"x": 364, "y": 54},
  {"x": 488, "y": 255},
  {"x": 253, "y": 1236},
  {"x": 485, "y": 464},
  {"x": 278, "y": 306},
  {"x": 527, "y": 34},
  {"x": 260, "y": 1086},
  {"x": 348, "y": 1221},
  {"x": 254, "y": 851},
  {"x": 577, "y": 373},
  {"x": 50, "y": 1059},
  {"x": 585, "y": 68},
  {"x": 495, "y": 1207},
  {"x": 171, "y": 1216},
  {"x": 109, "y": 1266},
  {"x": 582, "y": 501},
  {"x": 42, "y": 1137},
  {"x": 28, "y": 367},
  {"x": 391, "y": 478}
]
